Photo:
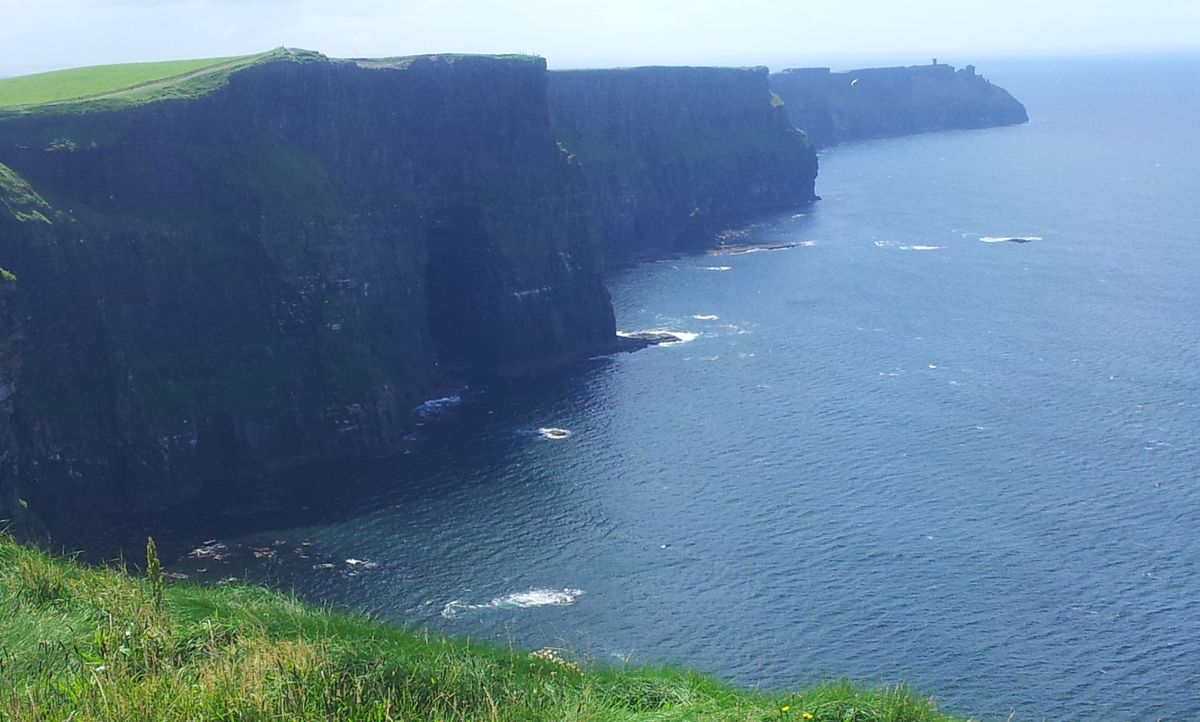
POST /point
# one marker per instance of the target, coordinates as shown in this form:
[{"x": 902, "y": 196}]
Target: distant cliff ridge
[
  {"x": 674, "y": 155},
  {"x": 276, "y": 272},
  {"x": 836, "y": 108}
]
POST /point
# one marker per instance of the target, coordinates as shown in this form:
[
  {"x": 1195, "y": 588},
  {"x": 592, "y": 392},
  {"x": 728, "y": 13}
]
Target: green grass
[
  {"x": 116, "y": 86},
  {"x": 81, "y": 83},
  {"x": 93, "y": 644}
]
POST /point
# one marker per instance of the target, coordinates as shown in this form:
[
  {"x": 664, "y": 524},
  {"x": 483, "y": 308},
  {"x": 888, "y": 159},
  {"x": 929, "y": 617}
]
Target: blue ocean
[{"x": 903, "y": 450}]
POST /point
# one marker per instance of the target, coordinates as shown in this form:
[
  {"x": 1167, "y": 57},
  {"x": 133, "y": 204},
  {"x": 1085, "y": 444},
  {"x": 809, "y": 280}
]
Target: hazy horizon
[{"x": 41, "y": 35}]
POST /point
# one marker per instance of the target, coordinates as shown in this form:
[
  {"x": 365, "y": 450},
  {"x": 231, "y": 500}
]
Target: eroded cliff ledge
[
  {"x": 837, "y": 108},
  {"x": 674, "y": 155},
  {"x": 276, "y": 271}
]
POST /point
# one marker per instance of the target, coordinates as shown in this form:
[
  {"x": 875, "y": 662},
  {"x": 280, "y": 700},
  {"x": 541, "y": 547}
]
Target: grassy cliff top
[
  {"x": 403, "y": 61},
  {"x": 109, "y": 86},
  {"x": 88, "y": 644},
  {"x": 106, "y": 87}
]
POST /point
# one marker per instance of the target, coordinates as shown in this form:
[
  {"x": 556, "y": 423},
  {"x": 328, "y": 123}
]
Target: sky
[{"x": 40, "y": 35}]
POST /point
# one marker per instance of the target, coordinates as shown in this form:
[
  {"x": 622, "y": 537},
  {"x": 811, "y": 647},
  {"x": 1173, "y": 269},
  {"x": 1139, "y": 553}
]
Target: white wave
[
  {"x": 716, "y": 268},
  {"x": 518, "y": 600},
  {"x": 434, "y": 406},
  {"x": 1009, "y": 239},
  {"x": 883, "y": 244},
  {"x": 683, "y": 336},
  {"x": 550, "y": 432},
  {"x": 921, "y": 248},
  {"x": 705, "y": 317},
  {"x": 538, "y": 598}
]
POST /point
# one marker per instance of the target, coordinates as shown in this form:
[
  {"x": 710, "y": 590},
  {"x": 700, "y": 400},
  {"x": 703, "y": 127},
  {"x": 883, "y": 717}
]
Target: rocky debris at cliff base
[
  {"x": 742, "y": 249},
  {"x": 637, "y": 340},
  {"x": 210, "y": 549},
  {"x": 1009, "y": 239},
  {"x": 439, "y": 405}
]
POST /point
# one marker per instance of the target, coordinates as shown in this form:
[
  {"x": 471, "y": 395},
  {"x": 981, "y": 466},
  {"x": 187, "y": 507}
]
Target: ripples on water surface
[{"x": 896, "y": 453}]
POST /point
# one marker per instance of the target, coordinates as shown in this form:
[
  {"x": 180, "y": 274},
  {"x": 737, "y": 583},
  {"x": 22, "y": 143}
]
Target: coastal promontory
[{"x": 871, "y": 103}]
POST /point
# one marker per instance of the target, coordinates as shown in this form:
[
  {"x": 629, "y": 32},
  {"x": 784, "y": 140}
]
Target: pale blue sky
[{"x": 43, "y": 34}]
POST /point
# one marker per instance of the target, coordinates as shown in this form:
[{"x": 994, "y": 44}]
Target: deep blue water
[{"x": 898, "y": 453}]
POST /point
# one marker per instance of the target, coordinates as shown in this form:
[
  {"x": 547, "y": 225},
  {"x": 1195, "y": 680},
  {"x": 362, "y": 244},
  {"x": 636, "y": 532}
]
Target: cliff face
[
  {"x": 277, "y": 273},
  {"x": 10, "y": 504},
  {"x": 671, "y": 155},
  {"x": 883, "y": 102}
]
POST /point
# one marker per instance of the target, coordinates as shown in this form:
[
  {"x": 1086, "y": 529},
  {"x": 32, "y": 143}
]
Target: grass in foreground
[{"x": 87, "y": 644}]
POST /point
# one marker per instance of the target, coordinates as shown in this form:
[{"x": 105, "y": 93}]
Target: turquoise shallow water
[{"x": 896, "y": 453}]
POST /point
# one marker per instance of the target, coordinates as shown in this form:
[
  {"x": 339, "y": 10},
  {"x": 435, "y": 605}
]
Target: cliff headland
[{"x": 856, "y": 105}]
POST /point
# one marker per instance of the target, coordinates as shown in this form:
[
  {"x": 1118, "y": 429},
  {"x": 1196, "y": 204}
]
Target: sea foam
[{"x": 518, "y": 600}]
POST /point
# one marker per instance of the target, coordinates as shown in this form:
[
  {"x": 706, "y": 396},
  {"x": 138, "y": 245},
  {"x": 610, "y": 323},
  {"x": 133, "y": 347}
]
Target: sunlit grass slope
[
  {"x": 87, "y": 644},
  {"x": 106, "y": 86},
  {"x": 80, "y": 83}
]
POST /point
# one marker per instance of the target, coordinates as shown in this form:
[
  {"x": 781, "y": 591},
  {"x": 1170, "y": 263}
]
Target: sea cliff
[
  {"x": 837, "y": 108},
  {"x": 673, "y": 156},
  {"x": 261, "y": 263},
  {"x": 277, "y": 271}
]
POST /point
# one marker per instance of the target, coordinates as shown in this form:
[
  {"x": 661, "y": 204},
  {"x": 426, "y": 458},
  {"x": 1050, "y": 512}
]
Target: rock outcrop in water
[
  {"x": 277, "y": 272},
  {"x": 837, "y": 108},
  {"x": 675, "y": 155}
]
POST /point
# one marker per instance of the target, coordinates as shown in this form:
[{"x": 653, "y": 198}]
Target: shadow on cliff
[{"x": 463, "y": 437}]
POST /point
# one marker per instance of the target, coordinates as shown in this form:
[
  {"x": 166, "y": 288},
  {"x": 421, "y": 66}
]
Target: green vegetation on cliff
[
  {"x": 19, "y": 200},
  {"x": 86, "y": 644}
]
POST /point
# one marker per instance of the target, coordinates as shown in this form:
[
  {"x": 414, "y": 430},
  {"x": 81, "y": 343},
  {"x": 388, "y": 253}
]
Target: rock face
[
  {"x": 277, "y": 272},
  {"x": 674, "y": 155},
  {"x": 837, "y": 108}
]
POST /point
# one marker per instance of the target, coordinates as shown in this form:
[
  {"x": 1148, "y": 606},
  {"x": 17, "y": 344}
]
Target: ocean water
[{"x": 896, "y": 453}]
